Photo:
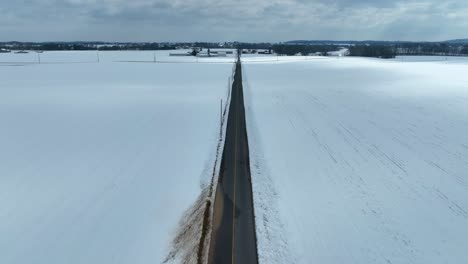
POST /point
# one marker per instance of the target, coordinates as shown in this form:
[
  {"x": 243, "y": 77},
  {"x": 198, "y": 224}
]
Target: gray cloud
[{"x": 219, "y": 20}]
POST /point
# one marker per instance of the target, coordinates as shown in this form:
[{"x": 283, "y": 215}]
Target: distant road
[{"x": 233, "y": 238}]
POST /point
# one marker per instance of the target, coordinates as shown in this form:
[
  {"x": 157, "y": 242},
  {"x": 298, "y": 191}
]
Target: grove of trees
[
  {"x": 377, "y": 51},
  {"x": 288, "y": 49}
]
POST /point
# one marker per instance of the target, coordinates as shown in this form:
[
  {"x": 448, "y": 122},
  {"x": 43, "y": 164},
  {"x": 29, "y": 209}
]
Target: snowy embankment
[
  {"x": 359, "y": 160},
  {"x": 99, "y": 161}
]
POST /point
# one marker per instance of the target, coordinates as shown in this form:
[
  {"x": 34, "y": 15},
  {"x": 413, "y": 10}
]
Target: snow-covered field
[
  {"x": 353, "y": 160},
  {"x": 98, "y": 161},
  {"x": 69, "y": 57},
  {"x": 359, "y": 160}
]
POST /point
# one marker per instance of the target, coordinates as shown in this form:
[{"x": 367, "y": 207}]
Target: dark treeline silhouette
[
  {"x": 410, "y": 48},
  {"x": 48, "y": 46},
  {"x": 253, "y": 46},
  {"x": 382, "y": 49},
  {"x": 148, "y": 46},
  {"x": 441, "y": 49},
  {"x": 285, "y": 49},
  {"x": 376, "y": 51}
]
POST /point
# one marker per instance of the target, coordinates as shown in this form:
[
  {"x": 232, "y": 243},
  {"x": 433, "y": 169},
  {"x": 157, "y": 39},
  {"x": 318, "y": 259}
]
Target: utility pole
[
  {"x": 154, "y": 57},
  {"x": 97, "y": 54},
  {"x": 229, "y": 87},
  {"x": 221, "y": 120},
  {"x": 39, "y": 58}
]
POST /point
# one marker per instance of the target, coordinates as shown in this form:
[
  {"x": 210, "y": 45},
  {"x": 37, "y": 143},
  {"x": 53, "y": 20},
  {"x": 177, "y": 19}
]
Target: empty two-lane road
[{"x": 233, "y": 239}]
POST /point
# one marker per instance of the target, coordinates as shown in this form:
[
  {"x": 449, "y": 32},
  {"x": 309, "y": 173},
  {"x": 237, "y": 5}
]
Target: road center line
[{"x": 235, "y": 177}]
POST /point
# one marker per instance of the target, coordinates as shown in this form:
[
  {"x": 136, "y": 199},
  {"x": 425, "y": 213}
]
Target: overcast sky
[{"x": 229, "y": 20}]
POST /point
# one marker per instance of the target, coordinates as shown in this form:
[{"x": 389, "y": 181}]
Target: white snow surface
[
  {"x": 70, "y": 57},
  {"x": 99, "y": 161},
  {"x": 359, "y": 160}
]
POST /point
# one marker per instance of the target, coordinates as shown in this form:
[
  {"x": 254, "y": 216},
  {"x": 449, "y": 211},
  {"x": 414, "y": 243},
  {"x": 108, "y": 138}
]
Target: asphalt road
[{"x": 233, "y": 239}]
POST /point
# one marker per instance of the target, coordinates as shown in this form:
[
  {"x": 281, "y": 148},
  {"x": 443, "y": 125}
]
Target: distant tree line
[
  {"x": 384, "y": 50},
  {"x": 441, "y": 49},
  {"x": 50, "y": 46},
  {"x": 144, "y": 46},
  {"x": 410, "y": 48},
  {"x": 287, "y": 49},
  {"x": 80, "y": 45},
  {"x": 376, "y": 51},
  {"x": 252, "y": 46}
]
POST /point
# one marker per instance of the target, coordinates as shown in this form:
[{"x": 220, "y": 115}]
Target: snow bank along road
[
  {"x": 359, "y": 160},
  {"x": 233, "y": 236}
]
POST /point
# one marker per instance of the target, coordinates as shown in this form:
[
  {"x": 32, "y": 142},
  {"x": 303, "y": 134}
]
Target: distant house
[
  {"x": 339, "y": 53},
  {"x": 195, "y": 51}
]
